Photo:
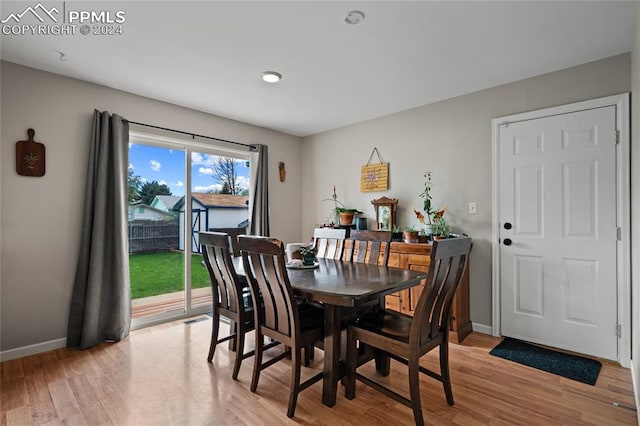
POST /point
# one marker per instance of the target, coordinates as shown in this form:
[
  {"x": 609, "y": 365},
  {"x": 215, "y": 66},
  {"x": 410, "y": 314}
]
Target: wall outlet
[{"x": 473, "y": 207}]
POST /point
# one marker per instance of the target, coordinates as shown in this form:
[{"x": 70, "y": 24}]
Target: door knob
[
  {"x": 507, "y": 241},
  {"x": 507, "y": 225}
]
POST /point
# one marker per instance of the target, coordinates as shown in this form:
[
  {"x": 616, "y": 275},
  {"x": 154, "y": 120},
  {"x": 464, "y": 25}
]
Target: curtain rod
[{"x": 193, "y": 135}]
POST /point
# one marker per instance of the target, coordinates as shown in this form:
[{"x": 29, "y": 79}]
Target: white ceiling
[{"x": 209, "y": 55}]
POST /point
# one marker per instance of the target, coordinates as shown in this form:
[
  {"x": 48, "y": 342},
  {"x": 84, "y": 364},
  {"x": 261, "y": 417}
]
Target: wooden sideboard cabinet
[{"x": 416, "y": 256}]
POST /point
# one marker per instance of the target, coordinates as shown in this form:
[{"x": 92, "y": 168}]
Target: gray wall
[
  {"x": 452, "y": 139},
  {"x": 41, "y": 217}
]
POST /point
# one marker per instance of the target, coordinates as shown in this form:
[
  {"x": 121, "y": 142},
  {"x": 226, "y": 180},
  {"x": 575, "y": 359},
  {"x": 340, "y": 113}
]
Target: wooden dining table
[{"x": 338, "y": 285}]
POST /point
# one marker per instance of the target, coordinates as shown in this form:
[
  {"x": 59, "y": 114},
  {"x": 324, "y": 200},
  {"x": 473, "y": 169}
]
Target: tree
[
  {"x": 226, "y": 174},
  {"x": 134, "y": 183},
  {"x": 149, "y": 190}
]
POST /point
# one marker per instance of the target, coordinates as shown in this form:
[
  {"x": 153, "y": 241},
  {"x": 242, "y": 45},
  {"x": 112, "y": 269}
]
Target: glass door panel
[
  {"x": 156, "y": 252},
  {"x": 220, "y": 201}
]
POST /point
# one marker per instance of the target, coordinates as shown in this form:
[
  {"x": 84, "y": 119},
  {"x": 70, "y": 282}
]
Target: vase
[
  {"x": 410, "y": 236},
  {"x": 346, "y": 218}
]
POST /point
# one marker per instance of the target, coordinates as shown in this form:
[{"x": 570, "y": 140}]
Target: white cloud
[
  {"x": 163, "y": 182},
  {"x": 144, "y": 180},
  {"x": 130, "y": 166},
  {"x": 242, "y": 182},
  {"x": 208, "y": 171},
  {"x": 179, "y": 184},
  {"x": 213, "y": 187},
  {"x": 198, "y": 159},
  {"x": 155, "y": 165}
]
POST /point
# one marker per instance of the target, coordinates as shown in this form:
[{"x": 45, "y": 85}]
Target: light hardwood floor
[{"x": 160, "y": 376}]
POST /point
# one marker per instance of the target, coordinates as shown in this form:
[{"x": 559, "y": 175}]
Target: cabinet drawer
[{"x": 419, "y": 261}]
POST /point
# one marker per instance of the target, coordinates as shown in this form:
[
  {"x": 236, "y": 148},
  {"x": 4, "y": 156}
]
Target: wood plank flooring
[
  {"x": 160, "y": 376},
  {"x": 168, "y": 302}
]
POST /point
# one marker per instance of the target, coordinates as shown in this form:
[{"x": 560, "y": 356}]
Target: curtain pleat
[
  {"x": 101, "y": 299},
  {"x": 259, "y": 224}
]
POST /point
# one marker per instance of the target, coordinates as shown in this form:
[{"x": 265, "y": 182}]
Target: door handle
[
  {"x": 507, "y": 225},
  {"x": 507, "y": 241}
]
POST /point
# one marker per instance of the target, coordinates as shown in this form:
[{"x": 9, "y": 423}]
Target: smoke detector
[{"x": 354, "y": 17}]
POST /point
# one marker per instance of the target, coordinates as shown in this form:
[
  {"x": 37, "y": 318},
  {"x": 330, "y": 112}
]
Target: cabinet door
[{"x": 416, "y": 263}]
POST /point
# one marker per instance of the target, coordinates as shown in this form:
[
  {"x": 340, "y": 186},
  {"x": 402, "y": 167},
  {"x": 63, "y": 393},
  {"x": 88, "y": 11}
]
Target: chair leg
[
  {"x": 383, "y": 363},
  {"x": 295, "y": 379},
  {"x": 444, "y": 371},
  {"x": 239, "y": 350},
  {"x": 233, "y": 329},
  {"x": 414, "y": 391},
  {"x": 308, "y": 354},
  {"x": 215, "y": 327},
  {"x": 311, "y": 351},
  {"x": 350, "y": 367},
  {"x": 257, "y": 359}
]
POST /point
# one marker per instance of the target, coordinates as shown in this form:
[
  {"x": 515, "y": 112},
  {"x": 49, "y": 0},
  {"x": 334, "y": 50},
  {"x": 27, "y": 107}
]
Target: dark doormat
[{"x": 574, "y": 367}]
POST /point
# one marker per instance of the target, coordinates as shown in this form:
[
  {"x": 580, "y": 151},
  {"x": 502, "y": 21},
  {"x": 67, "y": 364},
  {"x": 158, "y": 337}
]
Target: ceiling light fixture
[
  {"x": 354, "y": 17},
  {"x": 271, "y": 76}
]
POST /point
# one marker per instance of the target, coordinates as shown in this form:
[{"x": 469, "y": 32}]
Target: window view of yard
[
  {"x": 162, "y": 272},
  {"x": 161, "y": 229}
]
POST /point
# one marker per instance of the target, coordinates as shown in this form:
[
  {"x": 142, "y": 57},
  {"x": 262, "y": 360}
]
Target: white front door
[{"x": 558, "y": 235}]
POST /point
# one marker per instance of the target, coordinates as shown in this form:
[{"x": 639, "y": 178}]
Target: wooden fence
[{"x": 147, "y": 235}]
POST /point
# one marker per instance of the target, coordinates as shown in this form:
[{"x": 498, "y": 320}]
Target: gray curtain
[
  {"x": 101, "y": 299},
  {"x": 260, "y": 205}
]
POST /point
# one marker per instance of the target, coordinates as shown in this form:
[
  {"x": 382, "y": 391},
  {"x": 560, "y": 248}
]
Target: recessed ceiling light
[
  {"x": 354, "y": 17},
  {"x": 271, "y": 76}
]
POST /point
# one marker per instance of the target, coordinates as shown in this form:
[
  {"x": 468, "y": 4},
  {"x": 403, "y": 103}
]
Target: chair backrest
[
  {"x": 225, "y": 285},
  {"x": 449, "y": 260},
  {"x": 233, "y": 236},
  {"x": 329, "y": 242},
  {"x": 372, "y": 242},
  {"x": 264, "y": 265}
]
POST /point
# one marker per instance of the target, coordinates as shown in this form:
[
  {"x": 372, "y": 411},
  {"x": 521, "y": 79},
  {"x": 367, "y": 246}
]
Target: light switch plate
[{"x": 473, "y": 207}]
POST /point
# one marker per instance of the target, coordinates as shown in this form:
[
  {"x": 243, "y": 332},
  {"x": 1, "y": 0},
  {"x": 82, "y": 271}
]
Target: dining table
[{"x": 338, "y": 286}]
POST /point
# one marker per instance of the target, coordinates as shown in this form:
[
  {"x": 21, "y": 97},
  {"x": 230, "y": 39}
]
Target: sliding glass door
[{"x": 178, "y": 188}]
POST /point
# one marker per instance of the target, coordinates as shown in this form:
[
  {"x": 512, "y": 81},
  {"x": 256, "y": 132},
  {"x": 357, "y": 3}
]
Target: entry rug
[{"x": 574, "y": 367}]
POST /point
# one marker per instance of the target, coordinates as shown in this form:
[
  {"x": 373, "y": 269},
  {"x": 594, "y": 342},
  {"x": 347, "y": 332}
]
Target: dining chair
[
  {"x": 233, "y": 237},
  {"x": 227, "y": 294},
  {"x": 329, "y": 242},
  {"x": 367, "y": 246},
  {"x": 283, "y": 319},
  {"x": 406, "y": 339}
]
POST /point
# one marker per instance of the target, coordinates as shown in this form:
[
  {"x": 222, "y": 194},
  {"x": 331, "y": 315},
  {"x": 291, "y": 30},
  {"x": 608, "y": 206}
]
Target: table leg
[{"x": 331, "y": 377}]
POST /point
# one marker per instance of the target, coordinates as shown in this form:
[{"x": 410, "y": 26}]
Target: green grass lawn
[{"x": 163, "y": 272}]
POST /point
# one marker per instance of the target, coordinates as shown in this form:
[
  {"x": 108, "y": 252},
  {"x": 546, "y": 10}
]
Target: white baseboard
[
  {"x": 33, "y": 349},
  {"x": 481, "y": 328},
  {"x": 632, "y": 368}
]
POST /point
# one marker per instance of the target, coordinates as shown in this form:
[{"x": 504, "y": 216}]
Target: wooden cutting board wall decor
[
  {"x": 30, "y": 156},
  {"x": 374, "y": 176}
]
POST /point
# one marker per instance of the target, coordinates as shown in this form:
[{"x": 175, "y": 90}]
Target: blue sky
[{"x": 167, "y": 167}]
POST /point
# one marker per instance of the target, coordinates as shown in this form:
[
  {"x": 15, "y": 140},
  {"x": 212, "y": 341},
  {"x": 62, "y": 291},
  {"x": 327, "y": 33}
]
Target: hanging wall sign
[
  {"x": 374, "y": 176},
  {"x": 30, "y": 156}
]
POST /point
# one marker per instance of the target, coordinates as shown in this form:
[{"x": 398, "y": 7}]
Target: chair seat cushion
[{"x": 390, "y": 324}]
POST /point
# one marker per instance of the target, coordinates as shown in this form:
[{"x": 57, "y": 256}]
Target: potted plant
[
  {"x": 308, "y": 254},
  {"x": 410, "y": 234},
  {"x": 396, "y": 233},
  {"x": 346, "y": 215},
  {"x": 439, "y": 226}
]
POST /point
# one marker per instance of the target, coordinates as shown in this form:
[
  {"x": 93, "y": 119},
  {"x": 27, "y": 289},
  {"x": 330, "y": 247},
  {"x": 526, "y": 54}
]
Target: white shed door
[{"x": 558, "y": 213}]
